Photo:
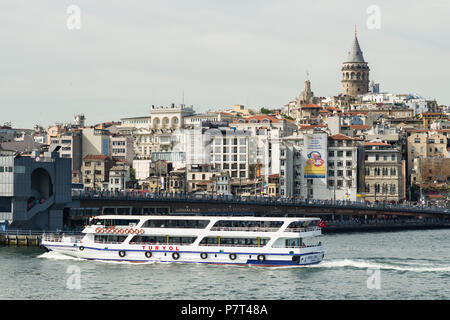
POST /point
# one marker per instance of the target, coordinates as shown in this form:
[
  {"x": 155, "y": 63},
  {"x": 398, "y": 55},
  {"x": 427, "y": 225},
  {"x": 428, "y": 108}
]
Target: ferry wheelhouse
[{"x": 243, "y": 240}]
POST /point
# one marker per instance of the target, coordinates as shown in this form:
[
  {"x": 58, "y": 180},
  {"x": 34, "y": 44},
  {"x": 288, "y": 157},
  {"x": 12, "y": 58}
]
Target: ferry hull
[{"x": 222, "y": 257}]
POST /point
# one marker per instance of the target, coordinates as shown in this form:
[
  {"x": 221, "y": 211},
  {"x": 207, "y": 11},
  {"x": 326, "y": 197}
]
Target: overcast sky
[{"x": 131, "y": 54}]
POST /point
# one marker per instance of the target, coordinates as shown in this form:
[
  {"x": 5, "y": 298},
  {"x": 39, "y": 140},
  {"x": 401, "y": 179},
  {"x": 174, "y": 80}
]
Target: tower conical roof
[{"x": 355, "y": 54}]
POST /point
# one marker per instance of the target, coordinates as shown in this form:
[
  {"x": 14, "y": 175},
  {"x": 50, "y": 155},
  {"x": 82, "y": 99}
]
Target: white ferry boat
[{"x": 237, "y": 240}]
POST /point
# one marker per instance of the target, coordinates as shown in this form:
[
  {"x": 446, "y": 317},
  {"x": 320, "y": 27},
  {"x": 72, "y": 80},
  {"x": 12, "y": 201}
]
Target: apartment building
[
  {"x": 382, "y": 172},
  {"x": 343, "y": 169}
]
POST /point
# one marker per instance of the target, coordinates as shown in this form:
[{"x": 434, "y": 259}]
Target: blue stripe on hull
[{"x": 267, "y": 263}]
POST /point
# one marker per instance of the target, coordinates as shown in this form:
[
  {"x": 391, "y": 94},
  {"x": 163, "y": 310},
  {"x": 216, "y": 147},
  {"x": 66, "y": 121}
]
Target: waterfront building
[
  {"x": 424, "y": 144},
  {"x": 95, "y": 141},
  {"x": 95, "y": 171},
  {"x": 142, "y": 169},
  {"x": 221, "y": 184},
  {"x": 119, "y": 175},
  {"x": 266, "y": 132},
  {"x": 231, "y": 151},
  {"x": 70, "y": 142},
  {"x": 291, "y": 179},
  {"x": 208, "y": 118},
  {"x": 200, "y": 177},
  {"x": 273, "y": 185},
  {"x": 122, "y": 148},
  {"x": 129, "y": 125},
  {"x": 383, "y": 172},
  {"x": 431, "y": 170},
  {"x": 35, "y": 190},
  {"x": 177, "y": 181},
  {"x": 429, "y": 117},
  {"x": 344, "y": 156}
]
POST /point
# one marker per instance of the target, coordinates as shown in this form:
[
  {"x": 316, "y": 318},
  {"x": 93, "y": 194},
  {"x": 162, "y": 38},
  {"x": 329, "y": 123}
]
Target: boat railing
[
  {"x": 62, "y": 238},
  {"x": 307, "y": 229},
  {"x": 161, "y": 244},
  {"x": 109, "y": 242},
  {"x": 299, "y": 247},
  {"x": 251, "y": 229}
]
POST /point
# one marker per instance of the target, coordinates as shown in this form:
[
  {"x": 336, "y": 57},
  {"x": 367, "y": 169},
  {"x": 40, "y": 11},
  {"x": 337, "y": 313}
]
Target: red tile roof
[
  {"x": 96, "y": 157},
  {"x": 311, "y": 126}
]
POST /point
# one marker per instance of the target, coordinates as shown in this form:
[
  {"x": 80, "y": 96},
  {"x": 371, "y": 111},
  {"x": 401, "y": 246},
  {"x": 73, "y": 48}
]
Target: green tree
[{"x": 265, "y": 111}]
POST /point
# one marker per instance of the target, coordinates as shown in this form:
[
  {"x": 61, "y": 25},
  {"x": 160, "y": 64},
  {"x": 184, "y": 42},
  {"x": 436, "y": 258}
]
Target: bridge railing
[{"x": 256, "y": 200}]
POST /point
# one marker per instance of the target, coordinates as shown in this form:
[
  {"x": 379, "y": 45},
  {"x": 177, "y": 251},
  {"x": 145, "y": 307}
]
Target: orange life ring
[
  {"x": 120, "y": 231},
  {"x": 142, "y": 231},
  {"x": 127, "y": 231},
  {"x": 98, "y": 229}
]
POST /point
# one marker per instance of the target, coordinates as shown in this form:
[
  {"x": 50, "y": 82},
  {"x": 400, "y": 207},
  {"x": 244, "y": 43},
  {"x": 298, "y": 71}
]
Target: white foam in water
[
  {"x": 57, "y": 256},
  {"x": 366, "y": 265}
]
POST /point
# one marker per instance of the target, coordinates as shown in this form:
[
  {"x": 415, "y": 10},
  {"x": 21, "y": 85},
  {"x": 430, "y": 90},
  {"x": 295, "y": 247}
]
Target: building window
[
  {"x": 377, "y": 188},
  {"x": 393, "y": 189}
]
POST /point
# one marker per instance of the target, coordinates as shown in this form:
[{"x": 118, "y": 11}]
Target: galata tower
[{"x": 355, "y": 72}]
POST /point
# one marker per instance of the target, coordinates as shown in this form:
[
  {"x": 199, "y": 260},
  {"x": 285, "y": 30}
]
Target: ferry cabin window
[
  {"x": 115, "y": 222},
  {"x": 109, "y": 239},
  {"x": 162, "y": 240},
  {"x": 175, "y": 223},
  {"x": 247, "y": 224},
  {"x": 288, "y": 243},
  {"x": 299, "y": 224},
  {"x": 235, "y": 241}
]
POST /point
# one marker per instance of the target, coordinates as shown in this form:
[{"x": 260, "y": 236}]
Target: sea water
[{"x": 378, "y": 265}]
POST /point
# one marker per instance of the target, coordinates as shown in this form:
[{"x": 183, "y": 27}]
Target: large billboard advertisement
[{"x": 316, "y": 156}]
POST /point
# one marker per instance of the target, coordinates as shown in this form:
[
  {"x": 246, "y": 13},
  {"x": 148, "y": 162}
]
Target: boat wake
[
  {"x": 364, "y": 264},
  {"x": 57, "y": 256}
]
